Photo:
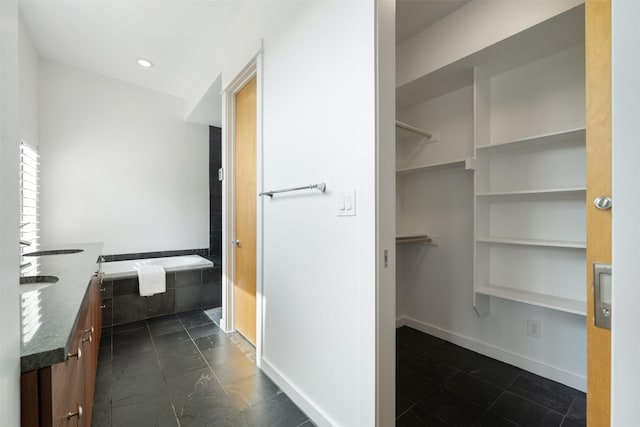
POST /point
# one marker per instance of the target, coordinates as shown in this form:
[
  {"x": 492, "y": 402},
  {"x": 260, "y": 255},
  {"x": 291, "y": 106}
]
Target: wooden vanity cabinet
[
  {"x": 91, "y": 342},
  {"x": 61, "y": 395}
]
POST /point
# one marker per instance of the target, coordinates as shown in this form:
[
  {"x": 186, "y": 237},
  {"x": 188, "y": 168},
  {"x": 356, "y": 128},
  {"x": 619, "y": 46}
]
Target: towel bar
[{"x": 322, "y": 187}]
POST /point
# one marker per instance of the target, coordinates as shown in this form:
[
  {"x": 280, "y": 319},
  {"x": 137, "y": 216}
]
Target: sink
[
  {"x": 54, "y": 252},
  {"x": 34, "y": 283}
]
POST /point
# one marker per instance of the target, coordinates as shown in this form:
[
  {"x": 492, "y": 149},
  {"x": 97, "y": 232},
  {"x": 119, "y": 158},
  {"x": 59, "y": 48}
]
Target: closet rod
[
  {"x": 413, "y": 129},
  {"x": 425, "y": 239}
]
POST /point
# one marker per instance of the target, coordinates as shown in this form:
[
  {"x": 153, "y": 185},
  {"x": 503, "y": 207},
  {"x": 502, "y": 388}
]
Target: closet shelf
[
  {"x": 541, "y": 300},
  {"x": 425, "y": 239},
  {"x": 435, "y": 167},
  {"x": 551, "y": 138},
  {"x": 533, "y": 242},
  {"x": 559, "y": 191}
]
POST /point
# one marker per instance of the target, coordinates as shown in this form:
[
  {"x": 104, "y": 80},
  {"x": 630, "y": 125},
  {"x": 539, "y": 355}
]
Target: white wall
[
  {"x": 240, "y": 43},
  {"x": 435, "y": 286},
  {"x": 545, "y": 95},
  {"x": 209, "y": 109},
  {"x": 9, "y": 208},
  {"x": 318, "y": 125},
  {"x": 552, "y": 100},
  {"x": 28, "y": 86},
  {"x": 319, "y": 269},
  {"x": 119, "y": 165},
  {"x": 449, "y": 118},
  {"x": 626, "y": 211}
]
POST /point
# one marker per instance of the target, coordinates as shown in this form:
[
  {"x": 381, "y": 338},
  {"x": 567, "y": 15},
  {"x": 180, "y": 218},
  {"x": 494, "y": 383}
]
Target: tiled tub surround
[
  {"x": 55, "y": 309},
  {"x": 197, "y": 283}
]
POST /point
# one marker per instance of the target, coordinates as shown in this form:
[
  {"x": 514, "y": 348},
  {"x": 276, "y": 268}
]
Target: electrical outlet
[{"x": 534, "y": 328}]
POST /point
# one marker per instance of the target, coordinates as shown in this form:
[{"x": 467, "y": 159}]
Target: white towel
[{"x": 152, "y": 279}]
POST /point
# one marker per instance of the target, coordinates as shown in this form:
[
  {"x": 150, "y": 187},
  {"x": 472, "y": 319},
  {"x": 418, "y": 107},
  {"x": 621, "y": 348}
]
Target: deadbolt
[{"x": 602, "y": 202}]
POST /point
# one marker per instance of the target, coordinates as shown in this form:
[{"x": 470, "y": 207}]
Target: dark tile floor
[
  {"x": 441, "y": 384},
  {"x": 182, "y": 370}
]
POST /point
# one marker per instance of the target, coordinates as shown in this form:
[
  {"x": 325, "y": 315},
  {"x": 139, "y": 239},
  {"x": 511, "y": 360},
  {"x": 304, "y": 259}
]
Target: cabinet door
[
  {"x": 29, "y": 399},
  {"x": 66, "y": 388},
  {"x": 91, "y": 343}
]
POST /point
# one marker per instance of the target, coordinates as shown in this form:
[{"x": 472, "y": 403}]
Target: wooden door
[
  {"x": 245, "y": 211},
  {"x": 598, "y": 63}
]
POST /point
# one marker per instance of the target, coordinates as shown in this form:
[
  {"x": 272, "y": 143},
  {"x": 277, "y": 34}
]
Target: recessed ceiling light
[{"x": 145, "y": 63}]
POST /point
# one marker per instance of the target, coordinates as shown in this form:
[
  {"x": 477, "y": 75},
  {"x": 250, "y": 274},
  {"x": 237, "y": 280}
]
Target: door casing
[{"x": 252, "y": 69}]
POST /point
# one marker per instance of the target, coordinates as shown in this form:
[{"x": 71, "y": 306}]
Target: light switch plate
[{"x": 347, "y": 203}]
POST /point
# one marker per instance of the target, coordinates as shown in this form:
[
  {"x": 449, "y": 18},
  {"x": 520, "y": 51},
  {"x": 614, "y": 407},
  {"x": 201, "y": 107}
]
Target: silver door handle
[
  {"x": 602, "y": 294},
  {"x": 236, "y": 243}
]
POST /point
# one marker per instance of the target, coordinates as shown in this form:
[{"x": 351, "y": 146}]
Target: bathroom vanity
[{"x": 61, "y": 325}]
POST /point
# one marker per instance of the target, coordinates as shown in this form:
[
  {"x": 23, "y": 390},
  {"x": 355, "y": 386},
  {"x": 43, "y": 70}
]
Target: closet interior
[{"x": 491, "y": 184}]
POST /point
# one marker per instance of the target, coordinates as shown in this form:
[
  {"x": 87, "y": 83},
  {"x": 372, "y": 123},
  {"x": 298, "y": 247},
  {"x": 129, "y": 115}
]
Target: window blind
[
  {"x": 29, "y": 198},
  {"x": 29, "y": 232}
]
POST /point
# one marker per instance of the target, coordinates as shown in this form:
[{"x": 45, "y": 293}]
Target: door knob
[
  {"x": 603, "y": 202},
  {"x": 236, "y": 243}
]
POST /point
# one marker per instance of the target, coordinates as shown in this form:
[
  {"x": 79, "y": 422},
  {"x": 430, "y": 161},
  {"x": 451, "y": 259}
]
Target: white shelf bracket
[
  {"x": 470, "y": 163},
  {"x": 481, "y": 304}
]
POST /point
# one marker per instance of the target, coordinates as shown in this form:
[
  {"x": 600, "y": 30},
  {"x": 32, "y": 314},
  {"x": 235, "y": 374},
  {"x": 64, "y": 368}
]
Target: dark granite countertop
[{"x": 50, "y": 315}]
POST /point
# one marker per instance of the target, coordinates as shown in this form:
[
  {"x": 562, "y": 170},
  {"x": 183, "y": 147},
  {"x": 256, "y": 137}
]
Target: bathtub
[
  {"x": 124, "y": 269},
  {"x": 193, "y": 282}
]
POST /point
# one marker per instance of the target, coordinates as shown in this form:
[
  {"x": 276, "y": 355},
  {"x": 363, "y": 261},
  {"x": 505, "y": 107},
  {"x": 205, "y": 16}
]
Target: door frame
[{"x": 227, "y": 323}]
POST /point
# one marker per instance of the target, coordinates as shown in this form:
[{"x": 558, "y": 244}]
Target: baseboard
[
  {"x": 401, "y": 321},
  {"x": 317, "y": 415},
  {"x": 553, "y": 373}
]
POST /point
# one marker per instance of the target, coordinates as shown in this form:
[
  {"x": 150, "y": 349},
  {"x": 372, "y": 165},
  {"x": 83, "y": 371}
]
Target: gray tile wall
[
  {"x": 186, "y": 290},
  {"x": 215, "y": 194}
]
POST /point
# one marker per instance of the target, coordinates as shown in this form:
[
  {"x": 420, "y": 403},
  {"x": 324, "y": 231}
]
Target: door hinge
[{"x": 221, "y": 174}]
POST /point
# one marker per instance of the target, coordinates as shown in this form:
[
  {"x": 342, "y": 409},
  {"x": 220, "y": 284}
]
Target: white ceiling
[
  {"x": 107, "y": 36},
  {"x": 413, "y": 16},
  {"x": 178, "y": 36}
]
